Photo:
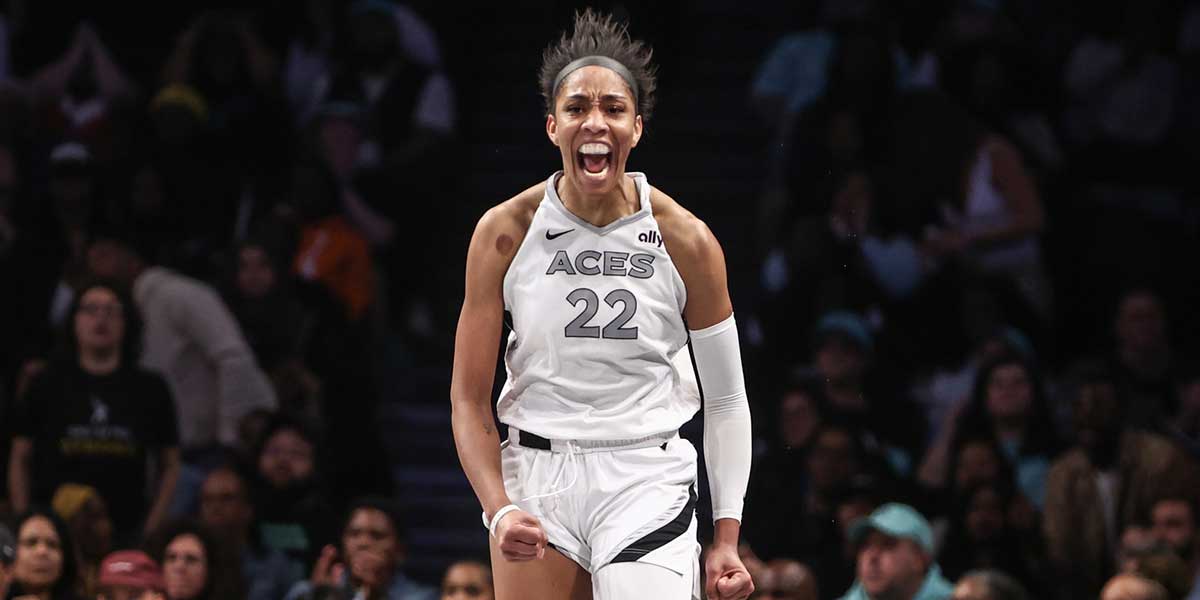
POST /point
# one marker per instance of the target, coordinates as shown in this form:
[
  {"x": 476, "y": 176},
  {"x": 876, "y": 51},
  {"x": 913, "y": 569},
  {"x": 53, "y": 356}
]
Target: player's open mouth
[{"x": 594, "y": 158}]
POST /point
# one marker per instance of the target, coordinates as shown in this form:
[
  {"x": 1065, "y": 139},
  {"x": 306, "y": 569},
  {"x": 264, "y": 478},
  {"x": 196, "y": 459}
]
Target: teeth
[{"x": 594, "y": 149}]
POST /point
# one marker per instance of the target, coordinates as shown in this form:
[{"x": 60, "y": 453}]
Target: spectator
[
  {"x": 781, "y": 472},
  {"x": 804, "y": 526},
  {"x": 842, "y": 358},
  {"x": 86, "y": 516},
  {"x": 1111, "y": 475},
  {"x": 1133, "y": 587},
  {"x": 1174, "y": 519},
  {"x": 94, "y": 417},
  {"x": 372, "y": 551},
  {"x": 226, "y": 509},
  {"x": 895, "y": 557},
  {"x": 222, "y": 58},
  {"x": 196, "y": 344},
  {"x": 971, "y": 193},
  {"x": 130, "y": 575},
  {"x": 1008, "y": 403},
  {"x": 45, "y": 565},
  {"x": 8, "y": 553},
  {"x": 410, "y": 107},
  {"x": 468, "y": 580},
  {"x": 292, "y": 502},
  {"x": 786, "y": 579},
  {"x": 1186, "y": 421},
  {"x": 331, "y": 251},
  {"x": 946, "y": 392},
  {"x": 988, "y": 585},
  {"x": 278, "y": 326},
  {"x": 82, "y": 96},
  {"x": 195, "y": 566},
  {"x": 982, "y": 535},
  {"x": 1142, "y": 357}
]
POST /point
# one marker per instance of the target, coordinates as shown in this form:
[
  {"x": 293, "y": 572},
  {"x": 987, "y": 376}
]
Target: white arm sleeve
[{"x": 727, "y": 436}]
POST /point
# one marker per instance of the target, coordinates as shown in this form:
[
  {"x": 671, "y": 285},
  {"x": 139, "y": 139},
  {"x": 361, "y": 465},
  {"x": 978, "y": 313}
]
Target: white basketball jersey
[{"x": 597, "y": 328}]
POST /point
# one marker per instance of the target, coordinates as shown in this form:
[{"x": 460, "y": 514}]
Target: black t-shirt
[{"x": 98, "y": 431}]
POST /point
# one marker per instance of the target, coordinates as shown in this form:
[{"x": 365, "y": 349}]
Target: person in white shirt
[{"x": 606, "y": 282}]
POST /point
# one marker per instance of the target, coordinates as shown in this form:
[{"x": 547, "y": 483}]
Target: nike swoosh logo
[{"x": 551, "y": 236}]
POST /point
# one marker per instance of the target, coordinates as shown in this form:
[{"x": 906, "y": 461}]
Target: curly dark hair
[
  {"x": 131, "y": 343},
  {"x": 597, "y": 34},
  {"x": 224, "y": 580}
]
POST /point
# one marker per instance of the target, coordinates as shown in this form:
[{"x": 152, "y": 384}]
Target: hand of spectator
[
  {"x": 29, "y": 371},
  {"x": 520, "y": 537},
  {"x": 370, "y": 568},
  {"x": 328, "y": 571},
  {"x": 726, "y": 578}
]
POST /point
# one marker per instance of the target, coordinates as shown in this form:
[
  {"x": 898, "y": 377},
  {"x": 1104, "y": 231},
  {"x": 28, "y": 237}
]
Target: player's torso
[{"x": 596, "y": 316}]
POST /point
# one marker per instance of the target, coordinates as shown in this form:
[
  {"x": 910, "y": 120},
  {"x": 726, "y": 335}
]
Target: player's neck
[{"x": 599, "y": 209}]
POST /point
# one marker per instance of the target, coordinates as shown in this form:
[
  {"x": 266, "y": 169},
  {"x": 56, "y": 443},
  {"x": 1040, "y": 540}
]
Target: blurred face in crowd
[
  {"x": 840, "y": 359},
  {"x": 1095, "y": 415},
  {"x": 832, "y": 461},
  {"x": 100, "y": 321},
  {"x": 1135, "y": 541},
  {"x": 256, "y": 274},
  {"x": 224, "y": 505},
  {"x": 850, "y": 510},
  {"x": 970, "y": 588},
  {"x": 125, "y": 592},
  {"x": 977, "y": 463},
  {"x": 286, "y": 458},
  {"x": 372, "y": 548},
  {"x": 1141, "y": 323},
  {"x": 890, "y": 567},
  {"x": 985, "y": 515},
  {"x": 798, "y": 419},
  {"x": 1132, "y": 587},
  {"x": 110, "y": 260},
  {"x": 1175, "y": 525},
  {"x": 185, "y": 567},
  {"x": 341, "y": 143},
  {"x": 1009, "y": 393},
  {"x": 39, "y": 561},
  {"x": 467, "y": 581},
  {"x": 787, "y": 579},
  {"x": 93, "y": 529}
]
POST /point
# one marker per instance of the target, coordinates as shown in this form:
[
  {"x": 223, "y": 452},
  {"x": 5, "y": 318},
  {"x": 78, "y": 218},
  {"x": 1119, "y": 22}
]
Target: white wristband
[{"x": 491, "y": 526}]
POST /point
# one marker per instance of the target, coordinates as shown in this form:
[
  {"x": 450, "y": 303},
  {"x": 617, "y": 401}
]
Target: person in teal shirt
[{"x": 895, "y": 557}]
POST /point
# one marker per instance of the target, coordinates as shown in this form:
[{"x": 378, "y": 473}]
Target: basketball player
[{"x": 605, "y": 279}]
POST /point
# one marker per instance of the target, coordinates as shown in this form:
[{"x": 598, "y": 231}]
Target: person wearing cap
[
  {"x": 842, "y": 358},
  {"x": 895, "y": 557},
  {"x": 130, "y": 575}
]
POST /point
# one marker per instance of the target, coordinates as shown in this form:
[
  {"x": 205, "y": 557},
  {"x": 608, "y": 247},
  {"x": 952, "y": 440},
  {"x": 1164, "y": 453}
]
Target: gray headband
[{"x": 597, "y": 61}]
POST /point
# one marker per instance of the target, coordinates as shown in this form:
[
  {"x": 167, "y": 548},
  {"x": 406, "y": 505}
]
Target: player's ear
[
  {"x": 552, "y": 129},
  {"x": 637, "y": 130}
]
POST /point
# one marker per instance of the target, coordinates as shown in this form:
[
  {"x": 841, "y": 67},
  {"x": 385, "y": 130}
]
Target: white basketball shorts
[{"x": 608, "y": 502}]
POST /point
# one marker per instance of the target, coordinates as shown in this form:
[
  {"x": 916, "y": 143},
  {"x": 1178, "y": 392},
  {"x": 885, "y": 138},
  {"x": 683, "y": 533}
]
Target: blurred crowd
[
  {"x": 970, "y": 336},
  {"x": 975, "y": 235}
]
